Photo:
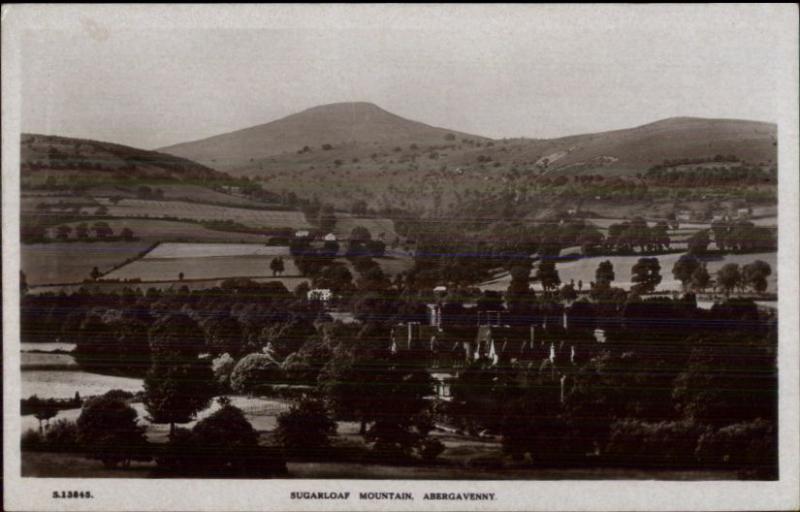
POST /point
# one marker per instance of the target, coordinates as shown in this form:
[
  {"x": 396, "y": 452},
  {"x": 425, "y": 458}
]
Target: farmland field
[
  {"x": 181, "y": 209},
  {"x": 159, "y": 230},
  {"x": 37, "y": 360},
  {"x": 584, "y": 270},
  {"x": 172, "y": 284},
  {"x": 211, "y": 250},
  {"x": 379, "y": 228},
  {"x": 72, "y": 262},
  {"x": 205, "y": 261},
  {"x": 393, "y": 265},
  {"x": 64, "y": 384},
  {"x": 52, "y": 346},
  {"x": 200, "y": 194}
]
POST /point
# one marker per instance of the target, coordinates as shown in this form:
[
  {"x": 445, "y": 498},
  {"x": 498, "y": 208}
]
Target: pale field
[
  {"x": 64, "y": 383},
  {"x": 219, "y": 267},
  {"x": 584, "y": 270},
  {"x": 36, "y": 360},
  {"x": 205, "y": 261},
  {"x": 766, "y": 221},
  {"x": 71, "y": 262},
  {"x": 46, "y": 347},
  {"x": 261, "y": 219},
  {"x": 212, "y": 250},
  {"x": 606, "y": 223}
]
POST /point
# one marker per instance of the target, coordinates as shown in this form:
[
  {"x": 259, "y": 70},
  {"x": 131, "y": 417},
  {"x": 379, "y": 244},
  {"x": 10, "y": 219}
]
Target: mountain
[{"x": 337, "y": 125}]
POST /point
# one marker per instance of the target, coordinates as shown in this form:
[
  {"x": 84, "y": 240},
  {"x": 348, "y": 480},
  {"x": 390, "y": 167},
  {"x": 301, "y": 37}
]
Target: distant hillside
[
  {"x": 337, "y": 125},
  {"x": 636, "y": 149},
  {"x": 43, "y": 156},
  {"x": 391, "y": 162}
]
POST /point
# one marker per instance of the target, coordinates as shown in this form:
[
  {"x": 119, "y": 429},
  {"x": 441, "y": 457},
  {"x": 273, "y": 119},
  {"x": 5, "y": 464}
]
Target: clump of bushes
[
  {"x": 751, "y": 447},
  {"x": 305, "y": 429},
  {"x": 107, "y": 430},
  {"x": 255, "y": 373},
  {"x": 222, "y": 367},
  {"x": 224, "y": 444},
  {"x": 666, "y": 443},
  {"x": 430, "y": 449}
]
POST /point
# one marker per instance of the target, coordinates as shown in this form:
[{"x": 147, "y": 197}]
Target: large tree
[
  {"x": 604, "y": 273},
  {"x": 698, "y": 242},
  {"x": 684, "y": 269},
  {"x": 729, "y": 277},
  {"x": 520, "y": 297},
  {"x": 179, "y": 383},
  {"x": 401, "y": 420},
  {"x": 547, "y": 274},
  {"x": 646, "y": 275},
  {"x": 306, "y": 427},
  {"x": 347, "y": 383},
  {"x": 755, "y": 275},
  {"x": 700, "y": 278},
  {"x": 108, "y": 430}
]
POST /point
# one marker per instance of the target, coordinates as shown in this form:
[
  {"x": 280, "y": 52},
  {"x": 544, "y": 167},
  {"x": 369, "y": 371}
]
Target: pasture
[
  {"x": 204, "y": 262},
  {"x": 61, "y": 383},
  {"x": 172, "y": 284},
  {"x": 584, "y": 269},
  {"x": 159, "y": 230},
  {"x": 259, "y": 219},
  {"x": 72, "y": 262}
]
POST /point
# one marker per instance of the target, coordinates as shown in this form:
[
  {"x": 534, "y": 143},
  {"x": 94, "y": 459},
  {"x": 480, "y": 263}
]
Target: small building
[
  {"x": 443, "y": 381},
  {"x": 320, "y": 294}
]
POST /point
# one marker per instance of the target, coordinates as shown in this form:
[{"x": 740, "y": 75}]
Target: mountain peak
[
  {"x": 331, "y": 124},
  {"x": 346, "y": 105}
]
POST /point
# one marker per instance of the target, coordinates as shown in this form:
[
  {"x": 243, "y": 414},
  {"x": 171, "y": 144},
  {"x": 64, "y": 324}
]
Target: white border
[{"x": 245, "y": 495}]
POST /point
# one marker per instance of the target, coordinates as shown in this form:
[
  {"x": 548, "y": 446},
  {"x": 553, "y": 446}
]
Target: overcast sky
[{"x": 495, "y": 71}]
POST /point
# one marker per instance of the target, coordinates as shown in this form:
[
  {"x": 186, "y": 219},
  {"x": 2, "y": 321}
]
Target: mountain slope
[
  {"x": 336, "y": 124},
  {"x": 53, "y": 156},
  {"x": 637, "y": 149}
]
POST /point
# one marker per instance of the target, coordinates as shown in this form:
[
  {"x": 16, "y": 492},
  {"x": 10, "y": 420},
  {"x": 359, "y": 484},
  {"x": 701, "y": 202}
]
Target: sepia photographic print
[{"x": 400, "y": 257}]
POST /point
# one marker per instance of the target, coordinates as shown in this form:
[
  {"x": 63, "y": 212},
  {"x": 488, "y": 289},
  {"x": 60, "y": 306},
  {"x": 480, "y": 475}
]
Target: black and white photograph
[{"x": 384, "y": 257}]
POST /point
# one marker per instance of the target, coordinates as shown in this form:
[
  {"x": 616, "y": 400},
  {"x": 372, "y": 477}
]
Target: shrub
[
  {"x": 222, "y": 367},
  {"x": 255, "y": 373},
  {"x": 32, "y": 440},
  {"x": 62, "y": 436},
  {"x": 223, "y": 444},
  {"x": 666, "y": 443},
  {"x": 430, "y": 449},
  {"x": 306, "y": 427},
  {"x": 107, "y": 429},
  {"x": 750, "y": 447},
  {"x": 486, "y": 462}
]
